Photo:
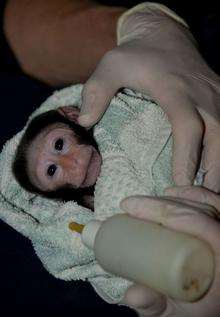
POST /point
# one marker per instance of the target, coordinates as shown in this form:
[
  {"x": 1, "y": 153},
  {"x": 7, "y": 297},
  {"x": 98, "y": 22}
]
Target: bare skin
[
  {"x": 66, "y": 40},
  {"x": 57, "y": 158}
]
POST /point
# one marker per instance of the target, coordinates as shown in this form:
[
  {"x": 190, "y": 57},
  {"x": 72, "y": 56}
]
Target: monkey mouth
[{"x": 93, "y": 169}]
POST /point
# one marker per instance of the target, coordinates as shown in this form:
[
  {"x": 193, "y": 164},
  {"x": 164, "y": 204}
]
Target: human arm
[
  {"x": 60, "y": 41},
  {"x": 158, "y": 55},
  {"x": 191, "y": 210},
  {"x": 165, "y": 64}
]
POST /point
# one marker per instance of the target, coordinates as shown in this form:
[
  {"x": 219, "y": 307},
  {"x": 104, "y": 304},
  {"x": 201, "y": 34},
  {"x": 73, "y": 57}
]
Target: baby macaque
[{"x": 58, "y": 158}]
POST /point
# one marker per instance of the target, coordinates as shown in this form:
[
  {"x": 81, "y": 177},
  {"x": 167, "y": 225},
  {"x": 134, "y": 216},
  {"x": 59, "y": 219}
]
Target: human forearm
[{"x": 60, "y": 42}]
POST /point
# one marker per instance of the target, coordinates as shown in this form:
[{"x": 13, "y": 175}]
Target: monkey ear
[{"x": 70, "y": 112}]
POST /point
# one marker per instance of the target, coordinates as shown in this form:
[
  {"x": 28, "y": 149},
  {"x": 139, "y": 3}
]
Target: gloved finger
[
  {"x": 98, "y": 91},
  {"x": 145, "y": 300},
  {"x": 187, "y": 128},
  {"x": 158, "y": 209},
  {"x": 210, "y": 159},
  {"x": 195, "y": 206},
  {"x": 174, "y": 215},
  {"x": 187, "y": 139},
  {"x": 196, "y": 193}
]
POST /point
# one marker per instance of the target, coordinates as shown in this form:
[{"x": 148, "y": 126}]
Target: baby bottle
[{"x": 173, "y": 263}]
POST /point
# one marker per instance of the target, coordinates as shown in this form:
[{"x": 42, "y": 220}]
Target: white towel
[{"x": 134, "y": 138}]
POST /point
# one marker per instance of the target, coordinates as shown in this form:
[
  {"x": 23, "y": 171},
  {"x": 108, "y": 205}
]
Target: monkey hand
[
  {"x": 192, "y": 210},
  {"x": 157, "y": 55}
]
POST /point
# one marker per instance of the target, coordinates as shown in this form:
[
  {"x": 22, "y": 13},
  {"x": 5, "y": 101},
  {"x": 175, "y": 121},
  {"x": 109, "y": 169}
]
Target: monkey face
[{"x": 57, "y": 157}]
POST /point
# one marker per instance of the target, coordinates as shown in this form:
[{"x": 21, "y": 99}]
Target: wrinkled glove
[
  {"x": 192, "y": 210},
  {"x": 157, "y": 55}
]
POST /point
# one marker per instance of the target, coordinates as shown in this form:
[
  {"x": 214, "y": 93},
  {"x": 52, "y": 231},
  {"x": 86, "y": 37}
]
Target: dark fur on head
[{"x": 19, "y": 167}]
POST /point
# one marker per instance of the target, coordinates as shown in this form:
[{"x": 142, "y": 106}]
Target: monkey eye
[
  {"x": 58, "y": 145},
  {"x": 51, "y": 170}
]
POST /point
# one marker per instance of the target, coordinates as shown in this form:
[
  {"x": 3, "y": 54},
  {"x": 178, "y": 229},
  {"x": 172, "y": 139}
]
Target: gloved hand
[
  {"x": 157, "y": 55},
  {"x": 185, "y": 210}
]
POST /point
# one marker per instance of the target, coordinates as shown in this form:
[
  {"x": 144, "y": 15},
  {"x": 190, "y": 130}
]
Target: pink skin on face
[{"x": 55, "y": 159}]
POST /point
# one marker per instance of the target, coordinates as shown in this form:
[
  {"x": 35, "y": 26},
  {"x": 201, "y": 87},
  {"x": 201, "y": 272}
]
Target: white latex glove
[
  {"x": 157, "y": 55},
  {"x": 185, "y": 210}
]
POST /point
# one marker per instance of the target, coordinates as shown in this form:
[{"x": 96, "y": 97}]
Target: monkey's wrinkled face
[{"x": 56, "y": 158}]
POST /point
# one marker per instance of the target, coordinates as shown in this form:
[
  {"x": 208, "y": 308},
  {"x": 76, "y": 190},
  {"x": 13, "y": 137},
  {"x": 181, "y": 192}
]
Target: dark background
[{"x": 26, "y": 287}]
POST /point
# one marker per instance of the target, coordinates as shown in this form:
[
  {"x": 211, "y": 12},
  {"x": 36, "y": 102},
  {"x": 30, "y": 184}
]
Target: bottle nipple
[{"x": 74, "y": 226}]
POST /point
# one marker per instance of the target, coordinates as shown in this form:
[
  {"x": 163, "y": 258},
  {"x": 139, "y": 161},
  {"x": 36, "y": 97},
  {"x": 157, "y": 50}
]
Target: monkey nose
[
  {"x": 67, "y": 161},
  {"x": 82, "y": 156},
  {"x": 75, "y": 160}
]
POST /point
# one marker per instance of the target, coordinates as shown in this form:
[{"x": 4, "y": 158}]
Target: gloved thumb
[{"x": 97, "y": 93}]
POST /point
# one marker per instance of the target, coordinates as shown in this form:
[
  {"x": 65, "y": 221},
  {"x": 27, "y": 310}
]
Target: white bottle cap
[{"x": 89, "y": 233}]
